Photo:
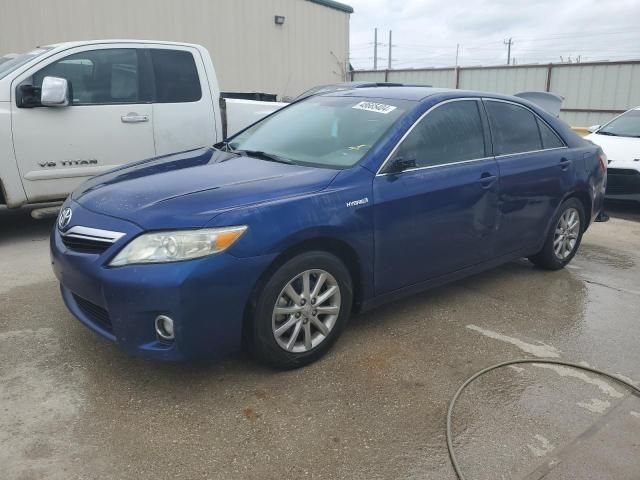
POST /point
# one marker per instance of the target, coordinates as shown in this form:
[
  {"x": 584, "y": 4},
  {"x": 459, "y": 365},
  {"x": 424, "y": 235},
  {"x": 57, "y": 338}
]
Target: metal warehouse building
[{"x": 274, "y": 46}]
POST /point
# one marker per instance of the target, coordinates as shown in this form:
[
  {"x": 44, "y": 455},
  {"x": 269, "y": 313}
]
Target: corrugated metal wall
[
  {"x": 445, "y": 78},
  {"x": 249, "y": 51},
  {"x": 594, "y": 92},
  {"x": 503, "y": 80}
]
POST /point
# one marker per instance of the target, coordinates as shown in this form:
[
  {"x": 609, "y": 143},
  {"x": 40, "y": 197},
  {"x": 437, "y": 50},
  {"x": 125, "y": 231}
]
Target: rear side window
[
  {"x": 176, "y": 76},
  {"x": 549, "y": 138},
  {"x": 514, "y": 128},
  {"x": 450, "y": 133}
]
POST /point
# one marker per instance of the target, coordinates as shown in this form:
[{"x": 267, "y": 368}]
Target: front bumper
[
  {"x": 206, "y": 297},
  {"x": 623, "y": 184}
]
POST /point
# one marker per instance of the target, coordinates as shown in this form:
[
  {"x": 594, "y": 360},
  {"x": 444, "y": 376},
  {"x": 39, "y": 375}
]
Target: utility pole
[
  {"x": 457, "y": 53},
  {"x": 375, "y": 49},
  {"x": 390, "y": 46},
  {"x": 508, "y": 43}
]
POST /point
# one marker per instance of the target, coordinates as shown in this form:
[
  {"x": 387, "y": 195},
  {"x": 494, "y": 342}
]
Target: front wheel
[
  {"x": 301, "y": 310},
  {"x": 563, "y": 238}
]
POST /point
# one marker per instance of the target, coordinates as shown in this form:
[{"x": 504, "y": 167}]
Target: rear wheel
[
  {"x": 301, "y": 310},
  {"x": 563, "y": 238}
]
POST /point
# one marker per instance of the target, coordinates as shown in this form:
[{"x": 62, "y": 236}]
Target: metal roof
[{"x": 332, "y": 4}]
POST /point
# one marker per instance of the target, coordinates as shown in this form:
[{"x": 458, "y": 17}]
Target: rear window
[
  {"x": 514, "y": 128},
  {"x": 549, "y": 137},
  {"x": 176, "y": 76}
]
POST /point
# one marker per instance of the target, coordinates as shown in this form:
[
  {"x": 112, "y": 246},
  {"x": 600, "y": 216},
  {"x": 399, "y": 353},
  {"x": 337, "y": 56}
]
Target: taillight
[{"x": 603, "y": 161}]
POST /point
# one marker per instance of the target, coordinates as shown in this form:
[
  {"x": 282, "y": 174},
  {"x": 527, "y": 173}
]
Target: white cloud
[{"x": 425, "y": 32}]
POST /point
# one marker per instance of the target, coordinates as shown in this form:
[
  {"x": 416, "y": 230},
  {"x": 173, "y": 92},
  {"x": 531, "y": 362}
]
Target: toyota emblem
[{"x": 64, "y": 218}]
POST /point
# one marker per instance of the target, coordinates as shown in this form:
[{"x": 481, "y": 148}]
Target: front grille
[
  {"x": 89, "y": 240},
  {"x": 95, "y": 313},
  {"x": 623, "y": 181},
  {"x": 84, "y": 245}
]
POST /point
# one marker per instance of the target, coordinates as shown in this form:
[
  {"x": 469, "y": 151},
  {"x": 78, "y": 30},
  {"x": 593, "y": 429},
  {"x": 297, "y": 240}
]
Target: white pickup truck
[{"x": 74, "y": 110}]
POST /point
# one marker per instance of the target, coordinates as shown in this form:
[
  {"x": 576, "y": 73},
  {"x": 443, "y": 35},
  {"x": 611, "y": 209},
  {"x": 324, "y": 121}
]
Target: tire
[
  {"x": 277, "y": 308},
  {"x": 549, "y": 258}
]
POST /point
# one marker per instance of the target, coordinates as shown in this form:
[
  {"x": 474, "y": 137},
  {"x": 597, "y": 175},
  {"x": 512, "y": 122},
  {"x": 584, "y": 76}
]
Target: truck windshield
[
  {"x": 626, "y": 125},
  {"x": 9, "y": 63},
  {"x": 324, "y": 131}
]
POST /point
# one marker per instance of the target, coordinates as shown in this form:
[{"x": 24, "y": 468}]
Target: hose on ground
[{"x": 452, "y": 455}]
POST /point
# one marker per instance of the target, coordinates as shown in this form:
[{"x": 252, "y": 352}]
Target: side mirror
[
  {"x": 55, "y": 92},
  {"x": 400, "y": 164},
  {"x": 594, "y": 128}
]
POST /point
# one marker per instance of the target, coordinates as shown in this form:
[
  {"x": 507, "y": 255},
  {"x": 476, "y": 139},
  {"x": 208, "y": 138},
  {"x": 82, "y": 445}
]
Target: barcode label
[{"x": 374, "y": 107}]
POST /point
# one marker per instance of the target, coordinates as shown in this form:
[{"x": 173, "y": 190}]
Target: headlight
[{"x": 159, "y": 247}]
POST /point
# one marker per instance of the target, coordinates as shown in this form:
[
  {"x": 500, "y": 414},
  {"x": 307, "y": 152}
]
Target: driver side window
[
  {"x": 450, "y": 133},
  {"x": 97, "y": 77}
]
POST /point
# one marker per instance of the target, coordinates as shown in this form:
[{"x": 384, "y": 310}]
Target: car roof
[
  {"x": 417, "y": 93},
  {"x": 397, "y": 93}
]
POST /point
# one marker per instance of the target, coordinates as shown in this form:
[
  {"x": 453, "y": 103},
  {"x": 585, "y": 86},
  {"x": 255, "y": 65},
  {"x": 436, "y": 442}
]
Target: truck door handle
[
  {"x": 564, "y": 164},
  {"x": 134, "y": 118},
  {"x": 487, "y": 179}
]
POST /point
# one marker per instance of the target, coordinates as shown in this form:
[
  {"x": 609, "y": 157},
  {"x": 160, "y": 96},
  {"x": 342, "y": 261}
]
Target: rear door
[
  {"x": 536, "y": 171},
  {"x": 108, "y": 122},
  {"x": 183, "y": 108},
  {"x": 439, "y": 216}
]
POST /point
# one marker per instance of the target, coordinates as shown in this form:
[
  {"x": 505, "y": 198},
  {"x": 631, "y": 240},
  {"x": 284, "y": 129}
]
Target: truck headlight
[{"x": 174, "y": 246}]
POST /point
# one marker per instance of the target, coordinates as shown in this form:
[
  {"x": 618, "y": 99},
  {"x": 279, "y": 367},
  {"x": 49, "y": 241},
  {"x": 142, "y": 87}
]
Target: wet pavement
[{"x": 72, "y": 406}]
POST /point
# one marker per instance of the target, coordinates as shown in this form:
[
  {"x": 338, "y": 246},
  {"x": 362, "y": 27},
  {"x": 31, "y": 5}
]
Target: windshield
[
  {"x": 9, "y": 63},
  {"x": 334, "y": 132},
  {"x": 626, "y": 125}
]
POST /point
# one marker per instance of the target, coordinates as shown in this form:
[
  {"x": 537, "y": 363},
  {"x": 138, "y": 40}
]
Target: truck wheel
[
  {"x": 301, "y": 310},
  {"x": 563, "y": 238}
]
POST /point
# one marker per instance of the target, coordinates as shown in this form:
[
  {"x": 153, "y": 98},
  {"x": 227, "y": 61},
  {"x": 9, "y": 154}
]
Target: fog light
[{"x": 164, "y": 327}]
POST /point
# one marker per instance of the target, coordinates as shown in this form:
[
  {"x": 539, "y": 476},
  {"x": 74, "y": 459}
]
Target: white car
[{"x": 620, "y": 141}]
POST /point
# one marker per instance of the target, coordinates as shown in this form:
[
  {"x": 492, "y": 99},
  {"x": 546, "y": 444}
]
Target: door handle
[
  {"x": 564, "y": 164},
  {"x": 134, "y": 118},
  {"x": 487, "y": 179}
]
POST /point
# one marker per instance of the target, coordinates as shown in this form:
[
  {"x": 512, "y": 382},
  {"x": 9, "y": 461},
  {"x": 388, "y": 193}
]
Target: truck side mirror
[
  {"x": 28, "y": 96},
  {"x": 54, "y": 92}
]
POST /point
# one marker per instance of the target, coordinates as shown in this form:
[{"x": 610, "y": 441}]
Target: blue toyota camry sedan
[{"x": 334, "y": 204}]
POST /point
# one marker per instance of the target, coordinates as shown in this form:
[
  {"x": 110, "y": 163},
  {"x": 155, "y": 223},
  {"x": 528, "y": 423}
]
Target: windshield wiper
[
  {"x": 608, "y": 133},
  {"x": 265, "y": 156},
  {"x": 225, "y": 146}
]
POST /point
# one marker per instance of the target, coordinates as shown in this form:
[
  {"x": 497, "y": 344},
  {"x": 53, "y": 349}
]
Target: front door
[
  {"x": 439, "y": 216},
  {"x": 108, "y": 122}
]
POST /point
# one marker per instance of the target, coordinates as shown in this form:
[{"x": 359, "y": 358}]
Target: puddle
[
  {"x": 595, "y": 405},
  {"x": 541, "y": 351},
  {"x": 603, "y": 255}
]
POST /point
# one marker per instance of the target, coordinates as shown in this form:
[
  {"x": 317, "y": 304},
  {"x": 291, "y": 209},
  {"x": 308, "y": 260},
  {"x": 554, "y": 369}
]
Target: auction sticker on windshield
[{"x": 374, "y": 107}]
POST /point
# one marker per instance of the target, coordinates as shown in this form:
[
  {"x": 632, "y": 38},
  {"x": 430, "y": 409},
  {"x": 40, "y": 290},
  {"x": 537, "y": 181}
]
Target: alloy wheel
[
  {"x": 306, "y": 311},
  {"x": 566, "y": 233}
]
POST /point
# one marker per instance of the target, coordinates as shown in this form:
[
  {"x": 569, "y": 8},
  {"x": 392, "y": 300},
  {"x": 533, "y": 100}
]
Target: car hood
[
  {"x": 188, "y": 189},
  {"x": 622, "y": 152}
]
